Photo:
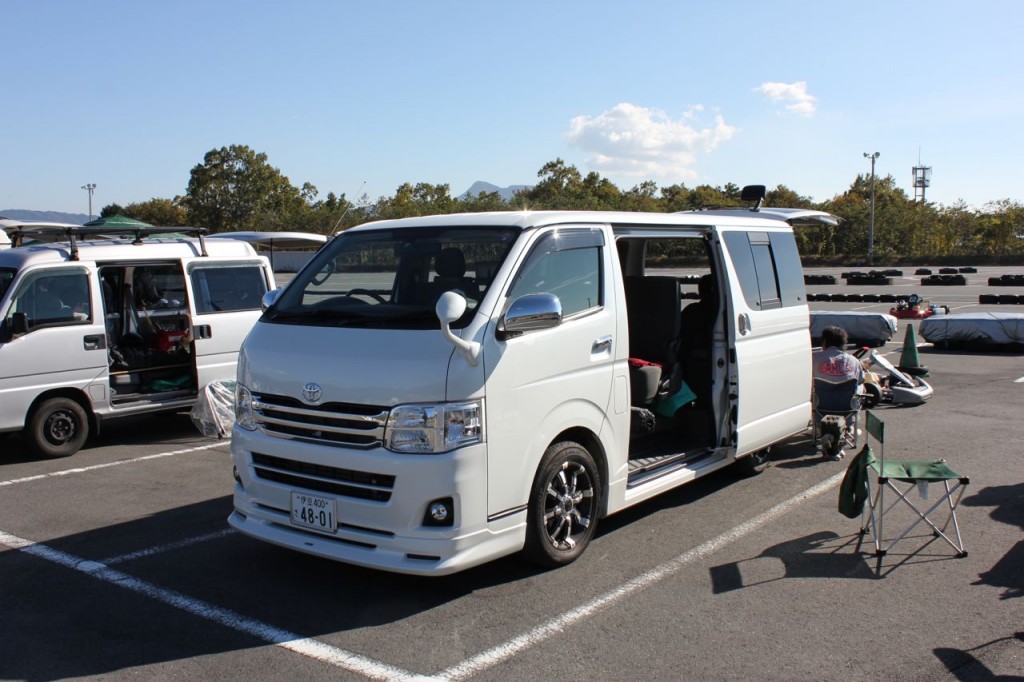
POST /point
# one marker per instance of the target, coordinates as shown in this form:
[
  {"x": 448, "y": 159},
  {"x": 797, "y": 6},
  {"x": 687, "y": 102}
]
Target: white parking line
[
  {"x": 268, "y": 633},
  {"x": 1019, "y": 381},
  {"x": 370, "y": 668},
  {"x": 557, "y": 625},
  {"x": 80, "y": 470},
  {"x": 180, "y": 544}
]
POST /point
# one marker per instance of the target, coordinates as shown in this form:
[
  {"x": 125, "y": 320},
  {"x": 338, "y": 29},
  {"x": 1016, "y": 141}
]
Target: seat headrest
[
  {"x": 450, "y": 263},
  {"x": 706, "y": 287}
]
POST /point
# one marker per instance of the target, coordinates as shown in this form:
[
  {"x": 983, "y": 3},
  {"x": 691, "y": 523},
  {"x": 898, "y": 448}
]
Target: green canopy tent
[{"x": 116, "y": 221}]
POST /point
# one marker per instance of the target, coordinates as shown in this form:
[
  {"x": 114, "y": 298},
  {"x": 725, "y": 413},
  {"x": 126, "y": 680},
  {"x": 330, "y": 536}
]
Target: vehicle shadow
[
  {"x": 173, "y": 429},
  {"x": 67, "y": 614}
]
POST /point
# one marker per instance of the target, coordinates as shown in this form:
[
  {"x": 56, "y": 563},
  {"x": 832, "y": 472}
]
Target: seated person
[{"x": 832, "y": 363}]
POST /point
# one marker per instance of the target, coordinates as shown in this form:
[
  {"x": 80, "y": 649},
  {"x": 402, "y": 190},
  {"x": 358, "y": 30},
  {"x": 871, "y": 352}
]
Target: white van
[
  {"x": 91, "y": 330},
  {"x": 431, "y": 393}
]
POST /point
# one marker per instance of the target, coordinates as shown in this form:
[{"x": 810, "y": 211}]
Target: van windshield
[{"x": 393, "y": 278}]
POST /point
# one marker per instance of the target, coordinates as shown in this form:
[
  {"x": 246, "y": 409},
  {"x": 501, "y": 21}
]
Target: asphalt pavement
[{"x": 117, "y": 564}]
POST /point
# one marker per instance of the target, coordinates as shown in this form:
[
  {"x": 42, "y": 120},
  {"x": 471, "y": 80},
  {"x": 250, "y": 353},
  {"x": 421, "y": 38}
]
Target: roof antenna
[{"x": 350, "y": 205}]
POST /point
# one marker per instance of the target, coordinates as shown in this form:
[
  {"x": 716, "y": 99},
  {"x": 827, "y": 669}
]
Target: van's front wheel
[
  {"x": 58, "y": 428},
  {"x": 564, "y": 505}
]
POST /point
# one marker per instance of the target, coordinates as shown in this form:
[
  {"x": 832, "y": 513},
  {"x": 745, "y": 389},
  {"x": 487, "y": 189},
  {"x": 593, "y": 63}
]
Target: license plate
[{"x": 311, "y": 511}]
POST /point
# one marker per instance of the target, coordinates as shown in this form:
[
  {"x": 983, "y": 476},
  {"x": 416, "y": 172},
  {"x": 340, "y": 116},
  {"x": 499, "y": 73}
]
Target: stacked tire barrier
[
  {"x": 944, "y": 279},
  {"x": 947, "y": 276},
  {"x": 1006, "y": 281},
  {"x": 1001, "y": 299},
  {"x": 873, "y": 277}
]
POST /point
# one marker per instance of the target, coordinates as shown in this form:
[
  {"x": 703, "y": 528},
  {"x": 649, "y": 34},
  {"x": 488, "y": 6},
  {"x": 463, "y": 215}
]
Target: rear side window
[
  {"x": 768, "y": 267},
  {"x": 228, "y": 288}
]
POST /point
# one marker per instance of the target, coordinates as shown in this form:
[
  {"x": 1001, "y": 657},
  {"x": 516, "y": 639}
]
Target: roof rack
[{"x": 74, "y": 233}]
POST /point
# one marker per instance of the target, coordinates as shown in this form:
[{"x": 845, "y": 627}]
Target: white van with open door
[
  {"x": 138, "y": 321},
  {"x": 431, "y": 393}
]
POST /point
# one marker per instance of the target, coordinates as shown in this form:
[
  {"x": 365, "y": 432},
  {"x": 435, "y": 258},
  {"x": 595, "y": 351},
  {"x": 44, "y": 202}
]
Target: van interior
[
  {"x": 148, "y": 332},
  {"x": 673, "y": 311}
]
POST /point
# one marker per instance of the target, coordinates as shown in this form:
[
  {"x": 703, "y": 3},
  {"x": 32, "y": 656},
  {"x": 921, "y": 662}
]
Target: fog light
[
  {"x": 440, "y": 513},
  {"x": 234, "y": 472}
]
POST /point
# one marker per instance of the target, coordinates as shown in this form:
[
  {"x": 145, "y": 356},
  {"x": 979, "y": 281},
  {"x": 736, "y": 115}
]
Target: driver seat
[{"x": 450, "y": 266}]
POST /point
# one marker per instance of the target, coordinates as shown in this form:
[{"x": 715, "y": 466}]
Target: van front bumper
[{"x": 387, "y": 534}]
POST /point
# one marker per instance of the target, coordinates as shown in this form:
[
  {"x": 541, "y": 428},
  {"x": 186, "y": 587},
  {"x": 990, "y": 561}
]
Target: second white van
[{"x": 92, "y": 329}]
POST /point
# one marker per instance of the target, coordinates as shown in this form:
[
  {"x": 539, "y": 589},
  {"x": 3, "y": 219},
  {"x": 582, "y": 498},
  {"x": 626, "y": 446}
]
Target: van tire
[
  {"x": 565, "y": 502},
  {"x": 57, "y": 428}
]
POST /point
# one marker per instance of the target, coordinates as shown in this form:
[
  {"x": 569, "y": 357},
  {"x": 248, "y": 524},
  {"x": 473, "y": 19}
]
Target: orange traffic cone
[{"x": 909, "y": 362}]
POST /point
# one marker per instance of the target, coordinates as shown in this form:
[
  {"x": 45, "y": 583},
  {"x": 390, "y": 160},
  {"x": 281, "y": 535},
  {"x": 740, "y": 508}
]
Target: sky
[{"x": 358, "y": 98}]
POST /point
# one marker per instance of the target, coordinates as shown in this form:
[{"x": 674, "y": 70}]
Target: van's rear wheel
[
  {"x": 58, "y": 428},
  {"x": 564, "y": 505}
]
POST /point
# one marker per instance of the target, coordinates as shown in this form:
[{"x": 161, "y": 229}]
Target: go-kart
[
  {"x": 913, "y": 307},
  {"x": 885, "y": 383}
]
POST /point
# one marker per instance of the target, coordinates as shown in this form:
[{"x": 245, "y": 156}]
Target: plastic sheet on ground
[
  {"x": 974, "y": 329},
  {"x": 214, "y": 410},
  {"x": 862, "y": 328}
]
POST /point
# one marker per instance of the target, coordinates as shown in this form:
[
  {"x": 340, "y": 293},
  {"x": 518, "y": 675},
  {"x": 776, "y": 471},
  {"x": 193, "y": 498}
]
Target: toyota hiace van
[{"x": 431, "y": 393}]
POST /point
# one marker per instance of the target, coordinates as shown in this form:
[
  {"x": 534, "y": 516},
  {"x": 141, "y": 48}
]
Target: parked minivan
[
  {"x": 102, "y": 328},
  {"x": 431, "y": 393}
]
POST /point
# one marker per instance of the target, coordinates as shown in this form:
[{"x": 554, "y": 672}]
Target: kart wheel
[{"x": 872, "y": 395}]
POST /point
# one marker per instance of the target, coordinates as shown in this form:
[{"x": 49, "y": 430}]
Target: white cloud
[
  {"x": 795, "y": 95},
  {"x": 630, "y": 140}
]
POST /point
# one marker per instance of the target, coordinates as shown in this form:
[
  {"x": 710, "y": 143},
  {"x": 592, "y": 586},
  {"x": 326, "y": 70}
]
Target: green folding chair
[{"x": 902, "y": 477}]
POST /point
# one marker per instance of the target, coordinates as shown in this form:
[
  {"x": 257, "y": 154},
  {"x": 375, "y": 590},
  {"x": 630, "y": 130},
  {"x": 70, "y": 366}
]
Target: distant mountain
[
  {"x": 44, "y": 216},
  {"x": 480, "y": 187}
]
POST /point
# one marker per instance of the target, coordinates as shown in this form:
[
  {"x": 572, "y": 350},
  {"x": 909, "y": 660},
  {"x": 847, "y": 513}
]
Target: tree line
[{"x": 236, "y": 188}]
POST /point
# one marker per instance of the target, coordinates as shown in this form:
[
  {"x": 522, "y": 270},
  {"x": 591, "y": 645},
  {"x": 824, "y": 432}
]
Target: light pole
[
  {"x": 90, "y": 187},
  {"x": 871, "y": 227}
]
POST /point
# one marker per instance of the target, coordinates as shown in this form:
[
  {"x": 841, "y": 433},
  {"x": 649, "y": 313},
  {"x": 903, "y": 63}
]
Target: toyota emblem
[{"x": 311, "y": 392}]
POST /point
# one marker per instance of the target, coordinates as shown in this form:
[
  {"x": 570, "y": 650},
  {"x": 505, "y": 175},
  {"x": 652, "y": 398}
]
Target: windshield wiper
[{"x": 320, "y": 314}]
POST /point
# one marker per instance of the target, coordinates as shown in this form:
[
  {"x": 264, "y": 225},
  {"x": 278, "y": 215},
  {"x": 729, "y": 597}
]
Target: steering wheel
[{"x": 366, "y": 292}]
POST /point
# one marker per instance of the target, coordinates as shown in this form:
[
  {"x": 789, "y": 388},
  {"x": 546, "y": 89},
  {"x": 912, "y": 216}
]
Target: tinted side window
[
  {"x": 743, "y": 261},
  {"x": 226, "y": 289},
  {"x": 764, "y": 265},
  {"x": 789, "y": 269},
  {"x": 768, "y": 267},
  {"x": 567, "y": 264}
]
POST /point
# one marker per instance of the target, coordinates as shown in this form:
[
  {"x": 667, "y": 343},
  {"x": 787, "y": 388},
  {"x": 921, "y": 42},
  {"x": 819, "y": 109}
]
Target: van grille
[
  {"x": 335, "y": 424},
  {"x": 325, "y": 479}
]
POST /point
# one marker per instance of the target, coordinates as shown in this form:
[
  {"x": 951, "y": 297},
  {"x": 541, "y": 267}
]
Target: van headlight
[
  {"x": 244, "y": 416},
  {"x": 435, "y": 427}
]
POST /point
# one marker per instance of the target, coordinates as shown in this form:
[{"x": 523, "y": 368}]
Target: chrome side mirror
[
  {"x": 532, "y": 312},
  {"x": 270, "y": 298}
]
